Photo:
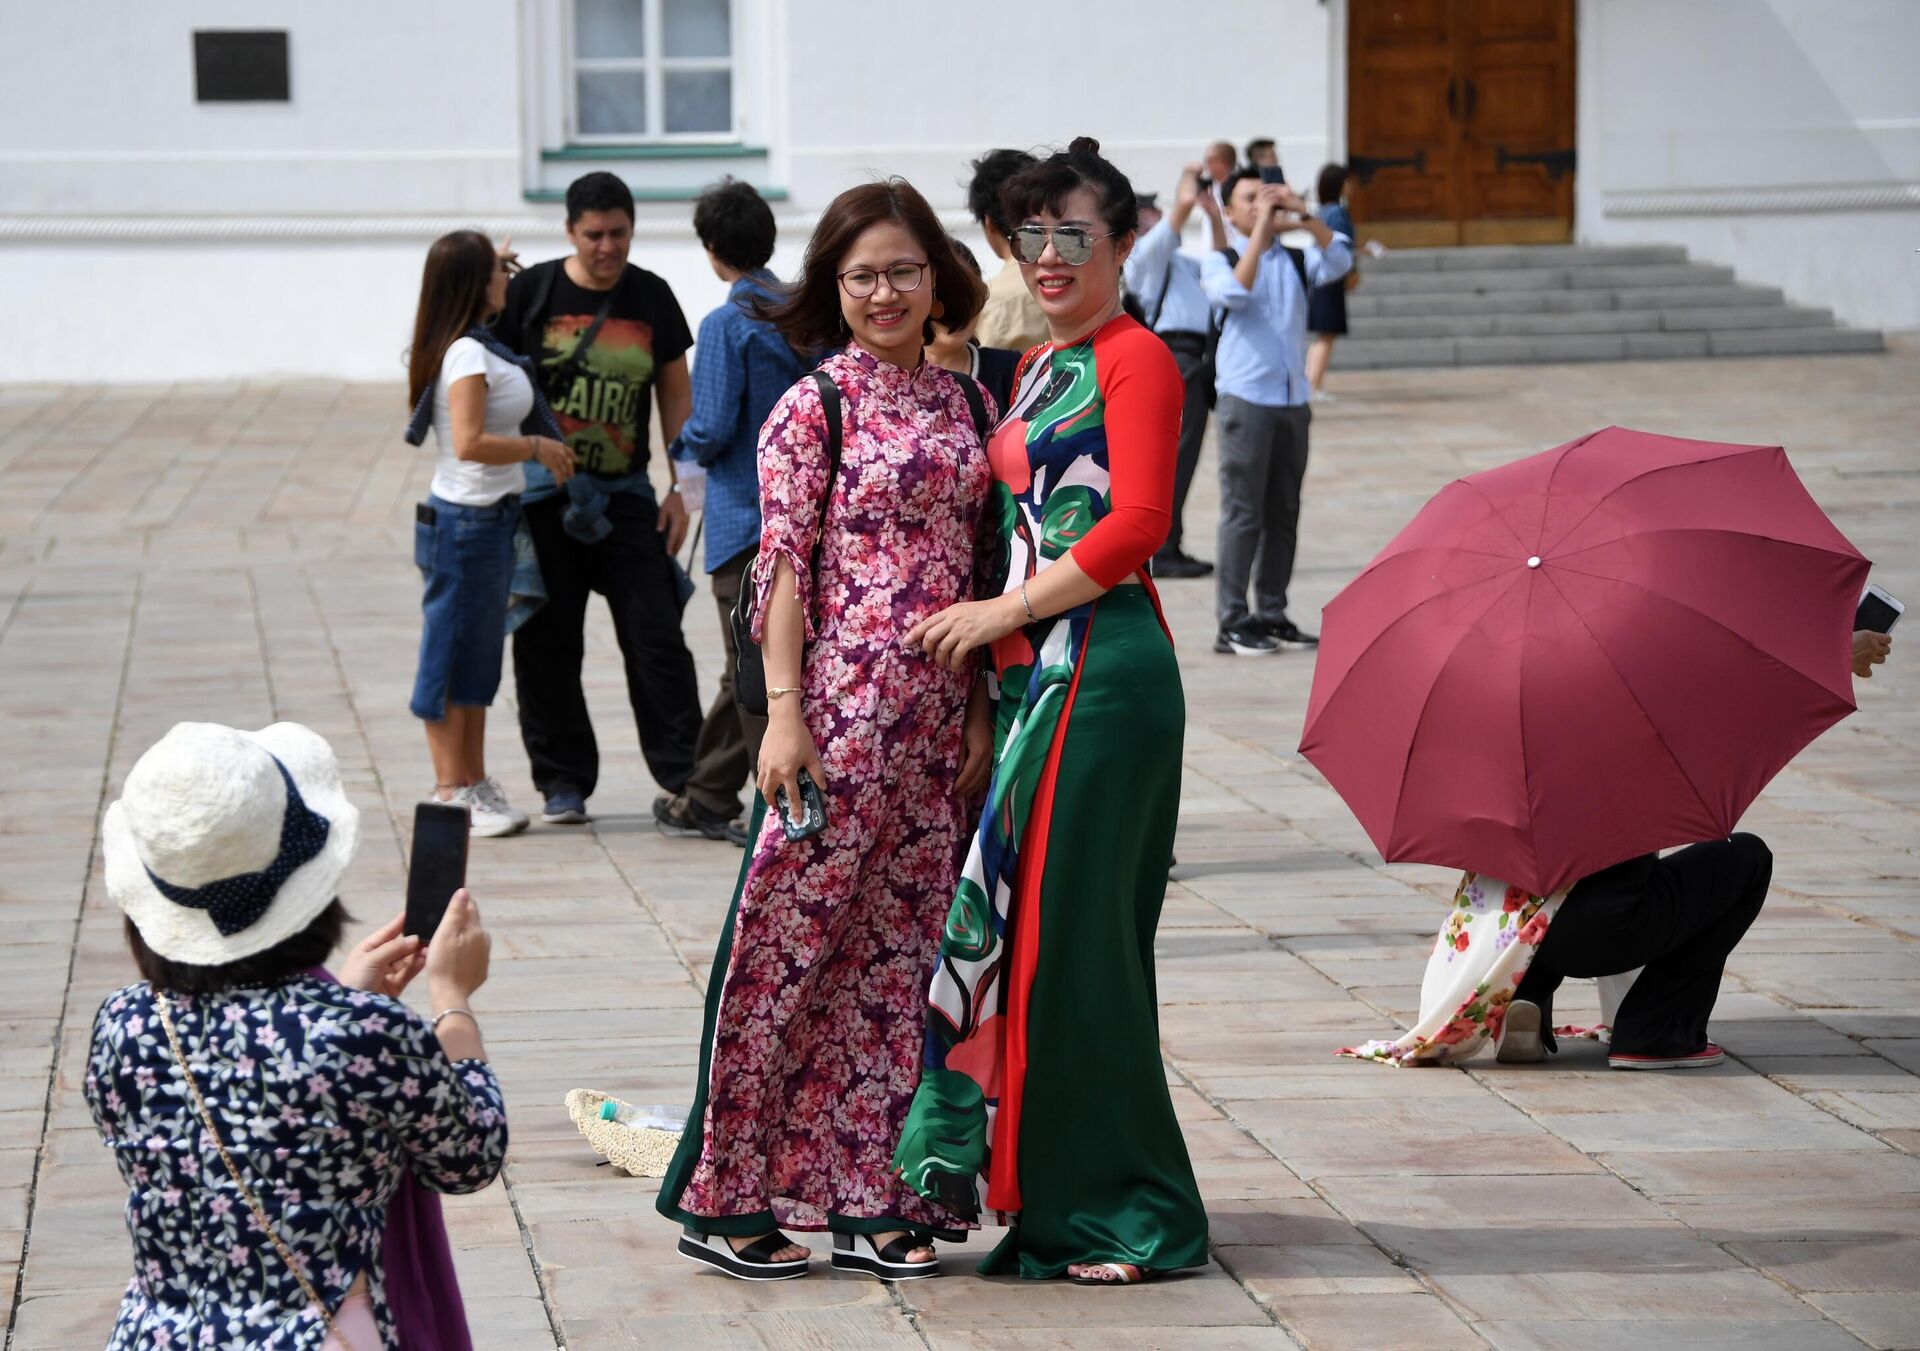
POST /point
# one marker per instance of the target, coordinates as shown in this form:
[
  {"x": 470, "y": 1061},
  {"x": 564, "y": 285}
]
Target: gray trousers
[{"x": 1263, "y": 459}]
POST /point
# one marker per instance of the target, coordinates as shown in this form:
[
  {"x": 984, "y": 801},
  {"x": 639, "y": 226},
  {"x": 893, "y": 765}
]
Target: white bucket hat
[{"x": 224, "y": 843}]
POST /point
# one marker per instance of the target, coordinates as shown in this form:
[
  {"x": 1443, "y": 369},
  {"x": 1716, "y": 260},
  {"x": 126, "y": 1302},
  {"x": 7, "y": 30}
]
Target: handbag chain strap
[{"x": 233, "y": 1170}]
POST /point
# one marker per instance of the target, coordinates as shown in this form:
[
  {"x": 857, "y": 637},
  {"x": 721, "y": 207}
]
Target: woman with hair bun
[{"x": 1043, "y": 1077}]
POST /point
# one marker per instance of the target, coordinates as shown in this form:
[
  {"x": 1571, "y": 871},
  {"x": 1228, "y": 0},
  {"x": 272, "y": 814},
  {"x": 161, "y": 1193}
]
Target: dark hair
[
  {"x": 1258, "y": 144},
  {"x": 808, "y": 311},
  {"x": 1045, "y": 185},
  {"x": 966, "y": 255},
  {"x": 453, "y": 298},
  {"x": 990, "y": 174},
  {"x": 736, "y": 223},
  {"x": 1234, "y": 179},
  {"x": 284, "y": 961},
  {"x": 598, "y": 191},
  {"x": 1333, "y": 182}
]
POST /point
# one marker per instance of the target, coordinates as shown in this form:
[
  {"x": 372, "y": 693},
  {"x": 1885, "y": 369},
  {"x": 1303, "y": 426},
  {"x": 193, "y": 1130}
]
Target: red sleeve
[{"x": 1140, "y": 384}]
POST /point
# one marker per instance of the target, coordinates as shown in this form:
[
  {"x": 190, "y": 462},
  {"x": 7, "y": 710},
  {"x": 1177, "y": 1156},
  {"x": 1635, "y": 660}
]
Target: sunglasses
[
  {"x": 861, "y": 282},
  {"x": 1071, "y": 242}
]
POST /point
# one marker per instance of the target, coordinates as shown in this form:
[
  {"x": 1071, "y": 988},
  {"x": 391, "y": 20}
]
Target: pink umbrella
[{"x": 1595, "y": 652}]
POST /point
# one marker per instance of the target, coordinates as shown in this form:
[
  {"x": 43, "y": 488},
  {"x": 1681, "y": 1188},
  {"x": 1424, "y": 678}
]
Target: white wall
[
  {"x": 153, "y": 238},
  {"x": 1781, "y": 137},
  {"x": 408, "y": 108},
  {"x": 1153, "y": 80}
]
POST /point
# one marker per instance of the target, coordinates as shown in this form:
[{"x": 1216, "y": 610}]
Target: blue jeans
[{"x": 466, "y": 556}]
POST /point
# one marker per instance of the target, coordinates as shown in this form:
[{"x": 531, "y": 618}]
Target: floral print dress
[
  {"x": 815, "y": 1009},
  {"x": 324, "y": 1095},
  {"x": 1491, "y": 935}
]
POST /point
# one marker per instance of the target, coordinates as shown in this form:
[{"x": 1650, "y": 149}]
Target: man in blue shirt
[
  {"x": 1260, "y": 373},
  {"x": 1166, "y": 282},
  {"x": 741, "y": 368}
]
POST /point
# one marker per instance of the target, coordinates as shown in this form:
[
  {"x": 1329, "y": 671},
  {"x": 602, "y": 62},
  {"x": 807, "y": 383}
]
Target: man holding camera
[
  {"x": 1166, "y": 282},
  {"x": 1261, "y": 377}
]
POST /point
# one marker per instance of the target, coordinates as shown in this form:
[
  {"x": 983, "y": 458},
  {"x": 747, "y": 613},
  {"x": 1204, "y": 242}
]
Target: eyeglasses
[
  {"x": 1071, "y": 242},
  {"x": 861, "y": 282}
]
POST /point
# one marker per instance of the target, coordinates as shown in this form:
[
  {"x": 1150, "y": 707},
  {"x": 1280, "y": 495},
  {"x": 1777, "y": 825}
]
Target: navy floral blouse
[{"x": 323, "y": 1094}]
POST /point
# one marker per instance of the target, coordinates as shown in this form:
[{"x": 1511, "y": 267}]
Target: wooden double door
[{"x": 1460, "y": 120}]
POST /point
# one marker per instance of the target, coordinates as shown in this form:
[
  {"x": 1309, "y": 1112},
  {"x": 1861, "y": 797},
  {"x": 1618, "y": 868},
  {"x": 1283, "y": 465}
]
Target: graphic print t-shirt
[{"x": 605, "y": 406}]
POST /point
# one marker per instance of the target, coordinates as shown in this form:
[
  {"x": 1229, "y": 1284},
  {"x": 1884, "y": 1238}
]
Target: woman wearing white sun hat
[{"x": 262, "y": 1115}]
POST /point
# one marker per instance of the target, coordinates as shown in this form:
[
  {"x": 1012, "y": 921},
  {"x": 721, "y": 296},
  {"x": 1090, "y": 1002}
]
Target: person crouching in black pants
[
  {"x": 1678, "y": 918},
  {"x": 607, "y": 338}
]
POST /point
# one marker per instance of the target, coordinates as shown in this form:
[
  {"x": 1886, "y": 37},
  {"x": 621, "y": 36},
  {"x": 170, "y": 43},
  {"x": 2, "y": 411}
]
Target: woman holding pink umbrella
[{"x": 1558, "y": 668}]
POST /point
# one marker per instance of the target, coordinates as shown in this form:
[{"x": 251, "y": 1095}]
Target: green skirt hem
[{"x": 1006, "y": 1259}]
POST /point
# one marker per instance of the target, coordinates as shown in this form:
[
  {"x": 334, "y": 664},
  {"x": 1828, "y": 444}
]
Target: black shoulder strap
[
  {"x": 1232, "y": 255},
  {"x": 1166, "y": 284},
  {"x": 830, "y": 405},
  {"x": 536, "y": 309},
  {"x": 1299, "y": 261},
  {"x": 976, "y": 405}
]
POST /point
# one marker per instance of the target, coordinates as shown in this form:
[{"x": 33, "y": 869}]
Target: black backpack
[{"x": 749, "y": 670}]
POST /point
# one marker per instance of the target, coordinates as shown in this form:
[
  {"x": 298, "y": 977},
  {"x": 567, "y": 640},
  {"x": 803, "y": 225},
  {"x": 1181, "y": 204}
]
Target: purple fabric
[{"x": 423, "y": 1291}]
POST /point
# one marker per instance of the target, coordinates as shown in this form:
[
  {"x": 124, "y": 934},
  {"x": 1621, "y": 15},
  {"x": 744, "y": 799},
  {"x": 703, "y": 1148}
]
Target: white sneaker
[{"x": 489, "y": 810}]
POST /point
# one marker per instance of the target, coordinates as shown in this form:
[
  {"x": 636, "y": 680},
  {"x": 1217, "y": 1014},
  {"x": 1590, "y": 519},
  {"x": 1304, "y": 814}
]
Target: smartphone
[
  {"x": 1272, "y": 173},
  {"x": 1878, "y": 611},
  {"x": 436, "y": 866},
  {"x": 813, "y": 809}
]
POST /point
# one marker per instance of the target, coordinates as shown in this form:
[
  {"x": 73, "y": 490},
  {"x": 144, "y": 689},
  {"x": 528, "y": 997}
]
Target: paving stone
[
  {"x": 1401, "y": 1322},
  {"x": 1635, "y": 1334},
  {"x": 1284, "y": 937},
  {"x": 1878, "y": 1320}
]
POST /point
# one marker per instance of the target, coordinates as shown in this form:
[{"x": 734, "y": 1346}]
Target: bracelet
[
  {"x": 448, "y": 1013},
  {"x": 1032, "y": 618},
  {"x": 530, "y": 448},
  {"x": 672, "y": 488},
  {"x": 783, "y": 690}
]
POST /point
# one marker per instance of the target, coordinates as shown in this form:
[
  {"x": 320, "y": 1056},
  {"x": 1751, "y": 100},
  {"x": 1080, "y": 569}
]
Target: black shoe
[
  {"x": 1245, "y": 641},
  {"x": 565, "y": 807},
  {"x": 1286, "y": 633},
  {"x": 737, "y": 834},
  {"x": 682, "y": 817},
  {"x": 1178, "y": 566}
]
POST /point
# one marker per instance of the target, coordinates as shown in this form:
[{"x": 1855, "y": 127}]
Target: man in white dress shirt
[{"x": 1166, "y": 282}]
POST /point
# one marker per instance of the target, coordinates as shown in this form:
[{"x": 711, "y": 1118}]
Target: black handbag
[{"x": 749, "y": 671}]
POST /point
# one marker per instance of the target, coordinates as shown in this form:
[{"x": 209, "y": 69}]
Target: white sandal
[
  {"x": 1141, "y": 1275},
  {"x": 751, "y": 1263},
  {"x": 889, "y": 1263},
  {"x": 1520, "y": 1040}
]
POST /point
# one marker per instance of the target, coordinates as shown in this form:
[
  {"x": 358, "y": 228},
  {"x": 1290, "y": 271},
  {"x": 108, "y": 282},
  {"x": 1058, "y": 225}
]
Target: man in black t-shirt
[{"x": 608, "y": 338}]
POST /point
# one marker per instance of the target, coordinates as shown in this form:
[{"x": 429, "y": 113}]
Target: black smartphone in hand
[
  {"x": 1272, "y": 173},
  {"x": 436, "y": 865},
  {"x": 812, "y": 818}
]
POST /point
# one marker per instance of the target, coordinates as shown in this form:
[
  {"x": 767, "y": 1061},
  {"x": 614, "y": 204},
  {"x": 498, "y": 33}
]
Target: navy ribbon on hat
[{"x": 234, "y": 903}]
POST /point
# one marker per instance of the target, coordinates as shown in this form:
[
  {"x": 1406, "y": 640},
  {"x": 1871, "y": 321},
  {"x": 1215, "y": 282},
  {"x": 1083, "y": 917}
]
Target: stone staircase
[{"x": 1490, "y": 306}]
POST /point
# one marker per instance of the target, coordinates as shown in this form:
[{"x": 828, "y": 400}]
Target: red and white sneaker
[{"x": 1709, "y": 1054}]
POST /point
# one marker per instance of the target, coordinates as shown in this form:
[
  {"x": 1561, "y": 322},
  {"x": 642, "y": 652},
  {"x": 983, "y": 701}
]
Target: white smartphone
[{"x": 1878, "y": 611}]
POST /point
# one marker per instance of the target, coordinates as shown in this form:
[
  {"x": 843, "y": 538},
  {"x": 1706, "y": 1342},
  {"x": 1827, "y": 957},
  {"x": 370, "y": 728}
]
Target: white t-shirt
[{"x": 509, "y": 400}]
